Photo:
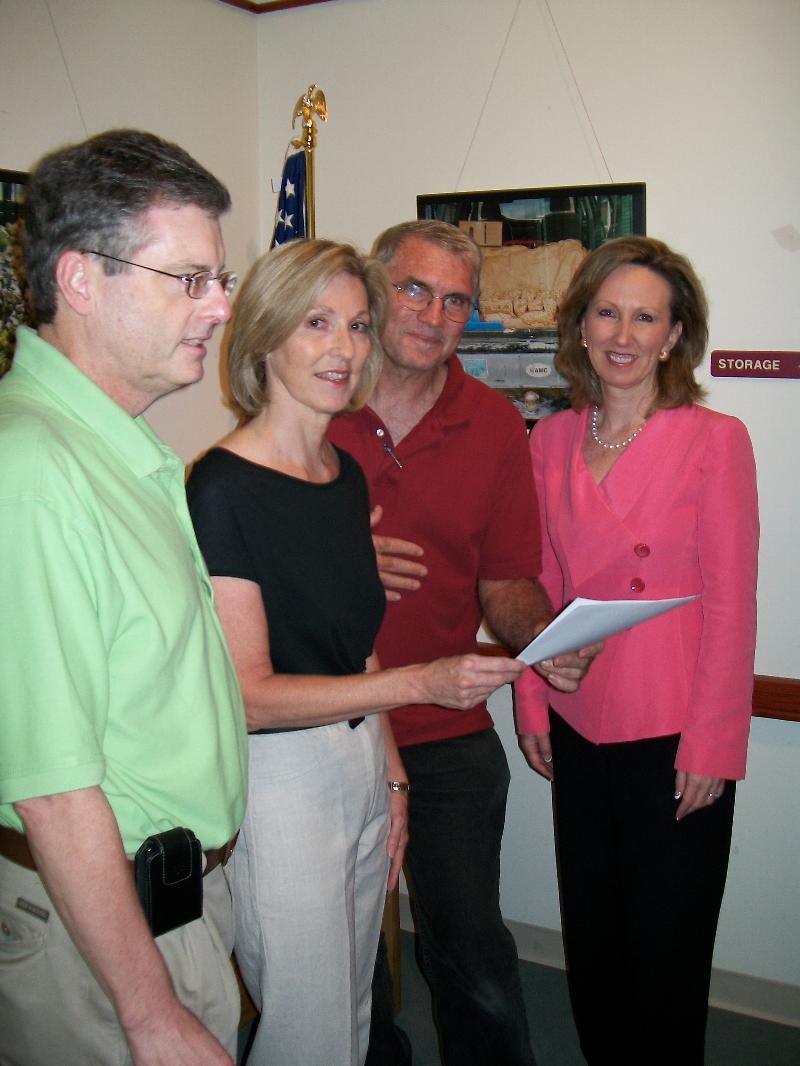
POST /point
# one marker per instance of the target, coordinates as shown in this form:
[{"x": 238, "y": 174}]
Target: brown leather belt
[{"x": 14, "y": 846}]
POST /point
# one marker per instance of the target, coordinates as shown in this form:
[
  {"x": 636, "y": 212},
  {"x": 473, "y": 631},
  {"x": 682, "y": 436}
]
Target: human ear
[
  {"x": 674, "y": 334},
  {"x": 74, "y": 282}
]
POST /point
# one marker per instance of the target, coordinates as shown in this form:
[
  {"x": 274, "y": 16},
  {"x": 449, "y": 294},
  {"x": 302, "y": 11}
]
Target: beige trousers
[{"x": 53, "y": 1012}]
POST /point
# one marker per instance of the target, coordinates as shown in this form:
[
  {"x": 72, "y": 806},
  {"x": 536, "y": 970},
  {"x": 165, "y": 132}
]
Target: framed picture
[
  {"x": 13, "y": 307},
  {"x": 533, "y": 241}
]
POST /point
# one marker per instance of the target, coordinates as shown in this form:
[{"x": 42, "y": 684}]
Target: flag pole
[{"x": 311, "y": 103}]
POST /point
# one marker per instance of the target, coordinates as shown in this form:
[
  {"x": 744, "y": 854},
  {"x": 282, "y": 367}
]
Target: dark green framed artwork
[{"x": 14, "y": 310}]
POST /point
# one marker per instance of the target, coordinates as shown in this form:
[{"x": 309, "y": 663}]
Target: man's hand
[
  {"x": 565, "y": 672},
  {"x": 395, "y": 570},
  {"x": 183, "y": 1041},
  {"x": 538, "y": 753},
  {"x": 79, "y": 856}
]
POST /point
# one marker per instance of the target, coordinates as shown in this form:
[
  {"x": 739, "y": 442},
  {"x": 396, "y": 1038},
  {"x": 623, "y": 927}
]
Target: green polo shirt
[{"x": 113, "y": 667}]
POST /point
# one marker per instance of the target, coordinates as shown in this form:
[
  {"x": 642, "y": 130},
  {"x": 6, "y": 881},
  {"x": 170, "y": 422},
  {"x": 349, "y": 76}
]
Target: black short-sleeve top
[{"x": 306, "y": 545}]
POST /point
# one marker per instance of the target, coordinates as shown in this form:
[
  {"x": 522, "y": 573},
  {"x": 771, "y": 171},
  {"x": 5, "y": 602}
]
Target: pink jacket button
[
  {"x": 642, "y": 550},
  {"x": 637, "y": 585}
]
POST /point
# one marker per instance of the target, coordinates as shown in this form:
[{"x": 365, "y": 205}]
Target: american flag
[{"x": 290, "y": 217}]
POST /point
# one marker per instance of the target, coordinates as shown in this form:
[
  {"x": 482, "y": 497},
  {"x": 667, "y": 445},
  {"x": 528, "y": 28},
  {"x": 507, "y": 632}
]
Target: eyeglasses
[
  {"x": 197, "y": 285},
  {"x": 417, "y": 297}
]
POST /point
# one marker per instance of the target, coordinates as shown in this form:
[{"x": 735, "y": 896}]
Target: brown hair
[
  {"x": 94, "y": 195},
  {"x": 280, "y": 289},
  {"x": 675, "y": 381}
]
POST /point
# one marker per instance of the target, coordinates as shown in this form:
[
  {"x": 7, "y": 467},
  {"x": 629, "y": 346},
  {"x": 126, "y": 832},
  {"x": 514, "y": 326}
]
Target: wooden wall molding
[
  {"x": 270, "y": 5},
  {"x": 773, "y": 697},
  {"x": 776, "y": 697}
]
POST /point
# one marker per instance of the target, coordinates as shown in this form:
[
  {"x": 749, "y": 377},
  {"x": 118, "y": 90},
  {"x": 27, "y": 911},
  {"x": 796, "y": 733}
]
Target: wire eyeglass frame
[
  {"x": 416, "y": 296},
  {"x": 197, "y": 285}
]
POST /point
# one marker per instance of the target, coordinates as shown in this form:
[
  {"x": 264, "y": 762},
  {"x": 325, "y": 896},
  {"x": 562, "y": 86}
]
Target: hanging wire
[
  {"x": 488, "y": 94},
  {"x": 66, "y": 68},
  {"x": 573, "y": 78},
  {"x": 577, "y": 88}
]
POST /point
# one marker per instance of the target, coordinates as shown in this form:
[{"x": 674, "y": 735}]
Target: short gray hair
[{"x": 449, "y": 238}]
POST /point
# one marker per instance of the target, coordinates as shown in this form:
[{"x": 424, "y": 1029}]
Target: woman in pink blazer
[{"x": 643, "y": 493}]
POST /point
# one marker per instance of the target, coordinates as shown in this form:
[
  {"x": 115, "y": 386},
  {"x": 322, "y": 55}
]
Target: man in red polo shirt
[{"x": 447, "y": 461}]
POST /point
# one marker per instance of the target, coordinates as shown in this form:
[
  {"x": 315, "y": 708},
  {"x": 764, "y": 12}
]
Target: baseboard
[
  {"x": 540, "y": 945},
  {"x": 771, "y": 1000}
]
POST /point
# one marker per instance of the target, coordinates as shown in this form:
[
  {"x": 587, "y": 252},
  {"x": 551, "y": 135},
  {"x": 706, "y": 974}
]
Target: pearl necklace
[{"x": 622, "y": 443}]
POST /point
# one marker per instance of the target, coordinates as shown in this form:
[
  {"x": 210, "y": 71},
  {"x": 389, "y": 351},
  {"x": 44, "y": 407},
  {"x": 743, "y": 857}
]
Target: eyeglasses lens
[
  {"x": 458, "y": 312},
  {"x": 200, "y": 284},
  {"x": 456, "y": 309}
]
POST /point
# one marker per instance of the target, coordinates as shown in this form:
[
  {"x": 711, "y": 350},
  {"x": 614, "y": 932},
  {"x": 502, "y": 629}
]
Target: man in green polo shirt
[{"x": 121, "y": 712}]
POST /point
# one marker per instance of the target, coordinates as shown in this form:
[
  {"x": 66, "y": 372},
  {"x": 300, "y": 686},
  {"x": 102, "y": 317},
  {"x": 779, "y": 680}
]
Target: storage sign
[{"x": 755, "y": 364}]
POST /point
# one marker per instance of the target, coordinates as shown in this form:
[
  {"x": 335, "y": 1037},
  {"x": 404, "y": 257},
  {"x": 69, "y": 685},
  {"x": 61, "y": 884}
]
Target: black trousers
[
  {"x": 640, "y": 898},
  {"x": 457, "y": 807}
]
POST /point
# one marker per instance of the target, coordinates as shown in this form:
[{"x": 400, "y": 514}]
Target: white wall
[
  {"x": 699, "y": 99},
  {"x": 185, "y": 69},
  {"x": 759, "y": 930}
]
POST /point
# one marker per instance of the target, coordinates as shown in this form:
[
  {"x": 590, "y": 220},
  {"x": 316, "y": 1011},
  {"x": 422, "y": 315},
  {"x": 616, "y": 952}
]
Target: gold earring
[
  {"x": 585, "y": 345},
  {"x": 664, "y": 356}
]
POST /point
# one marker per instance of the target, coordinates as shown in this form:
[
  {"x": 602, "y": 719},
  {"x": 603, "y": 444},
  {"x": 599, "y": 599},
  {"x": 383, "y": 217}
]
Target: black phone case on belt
[{"x": 169, "y": 879}]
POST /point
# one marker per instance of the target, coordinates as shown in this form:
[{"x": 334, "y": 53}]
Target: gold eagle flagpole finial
[{"x": 311, "y": 103}]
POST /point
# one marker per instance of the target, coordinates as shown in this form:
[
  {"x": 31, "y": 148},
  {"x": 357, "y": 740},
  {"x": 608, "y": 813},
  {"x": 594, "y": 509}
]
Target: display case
[{"x": 533, "y": 241}]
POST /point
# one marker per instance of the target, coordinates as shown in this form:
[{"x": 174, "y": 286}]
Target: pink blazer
[{"x": 676, "y": 515}]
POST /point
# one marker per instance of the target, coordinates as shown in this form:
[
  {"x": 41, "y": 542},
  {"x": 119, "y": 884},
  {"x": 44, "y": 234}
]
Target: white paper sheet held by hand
[{"x": 584, "y": 622}]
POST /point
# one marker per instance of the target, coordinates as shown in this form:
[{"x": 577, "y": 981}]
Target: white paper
[{"x": 584, "y": 622}]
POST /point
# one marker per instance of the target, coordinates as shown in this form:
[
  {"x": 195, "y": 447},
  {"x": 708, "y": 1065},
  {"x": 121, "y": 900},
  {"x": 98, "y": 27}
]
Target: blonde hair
[{"x": 279, "y": 291}]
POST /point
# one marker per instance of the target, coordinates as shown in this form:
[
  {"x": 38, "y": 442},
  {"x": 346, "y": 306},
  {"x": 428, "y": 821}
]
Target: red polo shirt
[{"x": 465, "y": 494}]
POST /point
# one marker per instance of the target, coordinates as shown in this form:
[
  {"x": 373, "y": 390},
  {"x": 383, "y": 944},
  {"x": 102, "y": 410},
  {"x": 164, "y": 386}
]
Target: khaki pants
[
  {"x": 53, "y": 1012},
  {"x": 309, "y": 879}
]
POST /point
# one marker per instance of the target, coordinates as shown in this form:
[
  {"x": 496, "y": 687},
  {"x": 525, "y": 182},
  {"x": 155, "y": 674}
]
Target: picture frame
[
  {"x": 14, "y": 308},
  {"x": 522, "y": 221},
  {"x": 533, "y": 241}
]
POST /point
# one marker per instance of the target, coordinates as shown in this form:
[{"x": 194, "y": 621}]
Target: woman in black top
[{"x": 282, "y": 518}]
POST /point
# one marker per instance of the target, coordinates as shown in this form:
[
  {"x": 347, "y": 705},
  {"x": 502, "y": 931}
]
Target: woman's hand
[
  {"x": 398, "y": 836},
  {"x": 462, "y": 681},
  {"x": 696, "y": 791},
  {"x": 538, "y": 753}
]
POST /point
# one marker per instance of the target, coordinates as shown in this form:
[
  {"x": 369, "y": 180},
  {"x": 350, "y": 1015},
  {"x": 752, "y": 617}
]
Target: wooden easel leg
[{"x": 391, "y": 930}]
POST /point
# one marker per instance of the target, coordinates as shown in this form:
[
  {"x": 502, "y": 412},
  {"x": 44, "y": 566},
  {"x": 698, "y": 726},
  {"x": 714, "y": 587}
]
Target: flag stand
[{"x": 311, "y": 103}]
